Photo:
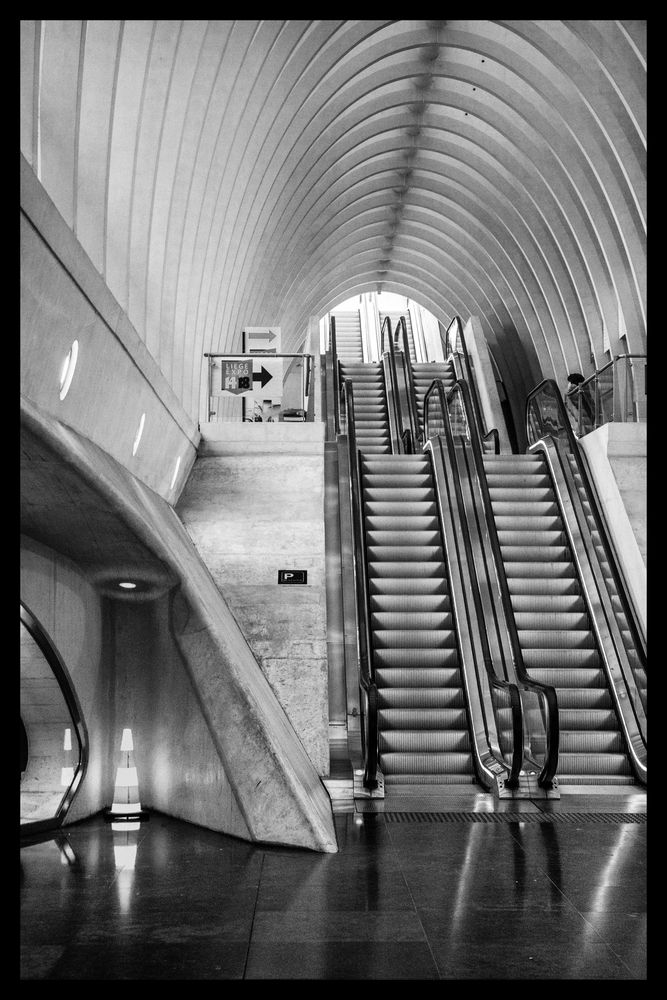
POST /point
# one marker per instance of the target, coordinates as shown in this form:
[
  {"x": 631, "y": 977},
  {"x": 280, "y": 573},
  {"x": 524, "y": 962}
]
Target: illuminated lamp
[
  {"x": 126, "y": 807},
  {"x": 67, "y": 771}
]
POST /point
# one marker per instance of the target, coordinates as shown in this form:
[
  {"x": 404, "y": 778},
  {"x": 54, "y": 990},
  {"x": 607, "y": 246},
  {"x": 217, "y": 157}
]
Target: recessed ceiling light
[
  {"x": 126, "y": 585},
  {"x": 67, "y": 370},
  {"x": 139, "y": 433}
]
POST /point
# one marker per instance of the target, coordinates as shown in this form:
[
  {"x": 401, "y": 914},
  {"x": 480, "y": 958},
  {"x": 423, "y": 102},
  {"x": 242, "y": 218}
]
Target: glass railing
[
  {"x": 262, "y": 387},
  {"x": 614, "y": 394},
  {"x": 621, "y": 640}
]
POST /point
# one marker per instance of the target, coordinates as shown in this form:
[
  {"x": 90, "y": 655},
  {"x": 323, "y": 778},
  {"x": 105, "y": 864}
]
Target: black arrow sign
[{"x": 262, "y": 376}]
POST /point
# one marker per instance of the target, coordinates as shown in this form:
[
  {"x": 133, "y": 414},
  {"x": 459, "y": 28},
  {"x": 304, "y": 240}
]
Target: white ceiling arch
[{"x": 227, "y": 173}]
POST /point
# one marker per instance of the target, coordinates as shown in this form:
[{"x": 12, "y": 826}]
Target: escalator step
[
  {"x": 405, "y": 569},
  {"x": 405, "y": 554},
  {"x": 404, "y": 620},
  {"x": 420, "y": 697},
  {"x": 422, "y": 741},
  {"x": 426, "y": 763},
  {"x": 393, "y": 522},
  {"x": 402, "y": 509},
  {"x": 543, "y": 587},
  {"x": 406, "y": 780},
  {"x": 404, "y": 537},
  {"x": 407, "y": 603},
  {"x": 554, "y": 620},
  {"x": 410, "y": 586},
  {"x": 539, "y": 570},
  {"x": 592, "y": 763},
  {"x": 418, "y": 678},
  {"x": 556, "y": 641},
  {"x": 586, "y": 718},
  {"x": 420, "y": 719},
  {"x": 570, "y": 678},
  {"x": 584, "y": 699},
  {"x": 529, "y": 604},
  {"x": 413, "y": 638},
  {"x": 543, "y": 554},
  {"x": 557, "y": 659},
  {"x": 416, "y": 658}
]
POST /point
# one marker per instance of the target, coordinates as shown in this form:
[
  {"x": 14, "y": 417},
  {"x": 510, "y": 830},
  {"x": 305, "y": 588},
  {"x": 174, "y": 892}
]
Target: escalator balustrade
[{"x": 557, "y": 639}]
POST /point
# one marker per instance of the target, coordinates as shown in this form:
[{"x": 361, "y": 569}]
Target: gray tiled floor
[{"x": 406, "y": 897}]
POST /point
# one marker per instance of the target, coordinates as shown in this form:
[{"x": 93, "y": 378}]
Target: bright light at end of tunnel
[{"x": 67, "y": 370}]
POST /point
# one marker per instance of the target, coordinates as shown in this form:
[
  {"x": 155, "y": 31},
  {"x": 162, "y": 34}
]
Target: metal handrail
[
  {"x": 450, "y": 351},
  {"x": 545, "y": 692},
  {"x": 413, "y": 418},
  {"x": 366, "y": 668},
  {"x": 336, "y": 373},
  {"x": 401, "y": 441},
  {"x": 490, "y": 756}
]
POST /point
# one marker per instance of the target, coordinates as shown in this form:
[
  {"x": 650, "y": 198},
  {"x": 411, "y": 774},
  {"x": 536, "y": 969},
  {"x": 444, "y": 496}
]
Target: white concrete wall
[
  {"x": 254, "y": 504},
  {"x": 63, "y": 298},
  {"x": 617, "y": 461}
]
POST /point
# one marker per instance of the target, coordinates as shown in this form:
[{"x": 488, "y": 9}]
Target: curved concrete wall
[{"x": 222, "y": 173}]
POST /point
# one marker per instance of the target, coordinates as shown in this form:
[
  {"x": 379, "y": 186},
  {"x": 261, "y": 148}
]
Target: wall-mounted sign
[
  {"x": 292, "y": 576},
  {"x": 236, "y": 377},
  {"x": 261, "y": 338}
]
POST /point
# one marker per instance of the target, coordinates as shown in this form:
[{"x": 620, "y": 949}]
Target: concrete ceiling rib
[{"x": 222, "y": 173}]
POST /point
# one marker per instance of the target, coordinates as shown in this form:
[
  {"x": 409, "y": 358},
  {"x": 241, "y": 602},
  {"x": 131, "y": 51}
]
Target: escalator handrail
[
  {"x": 570, "y": 439},
  {"x": 335, "y": 372},
  {"x": 466, "y": 374},
  {"x": 416, "y": 433},
  {"x": 513, "y": 769},
  {"x": 366, "y": 667},
  {"x": 545, "y": 691},
  {"x": 400, "y": 435}
]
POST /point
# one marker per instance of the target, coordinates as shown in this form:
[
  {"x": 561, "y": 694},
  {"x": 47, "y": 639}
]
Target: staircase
[
  {"x": 348, "y": 337},
  {"x": 555, "y": 633},
  {"x": 423, "y": 726},
  {"x": 371, "y": 420}
]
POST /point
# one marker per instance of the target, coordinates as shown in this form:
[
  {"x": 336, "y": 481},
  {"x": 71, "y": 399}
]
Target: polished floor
[{"x": 448, "y": 886}]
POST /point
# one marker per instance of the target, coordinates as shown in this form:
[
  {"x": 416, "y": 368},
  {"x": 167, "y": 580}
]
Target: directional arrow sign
[
  {"x": 263, "y": 377},
  {"x": 261, "y": 335}
]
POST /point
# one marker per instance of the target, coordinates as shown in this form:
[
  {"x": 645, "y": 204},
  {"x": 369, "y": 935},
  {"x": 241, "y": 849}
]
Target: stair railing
[
  {"x": 455, "y": 350},
  {"x": 498, "y": 750},
  {"x": 541, "y": 723},
  {"x": 549, "y": 431},
  {"x": 400, "y": 436},
  {"x": 367, "y": 683}
]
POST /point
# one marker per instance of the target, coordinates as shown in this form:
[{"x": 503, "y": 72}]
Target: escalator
[
  {"x": 434, "y": 711},
  {"x": 423, "y": 724},
  {"x": 573, "y": 625},
  {"x": 349, "y": 345},
  {"x": 553, "y": 619}
]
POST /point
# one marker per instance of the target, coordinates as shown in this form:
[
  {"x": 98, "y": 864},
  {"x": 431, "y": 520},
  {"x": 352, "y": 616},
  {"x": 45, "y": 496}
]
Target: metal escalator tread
[
  {"x": 556, "y": 636},
  {"x": 423, "y": 726}
]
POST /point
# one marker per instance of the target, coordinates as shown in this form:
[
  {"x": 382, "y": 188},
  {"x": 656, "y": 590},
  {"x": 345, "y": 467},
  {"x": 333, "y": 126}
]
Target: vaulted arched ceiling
[{"x": 229, "y": 173}]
